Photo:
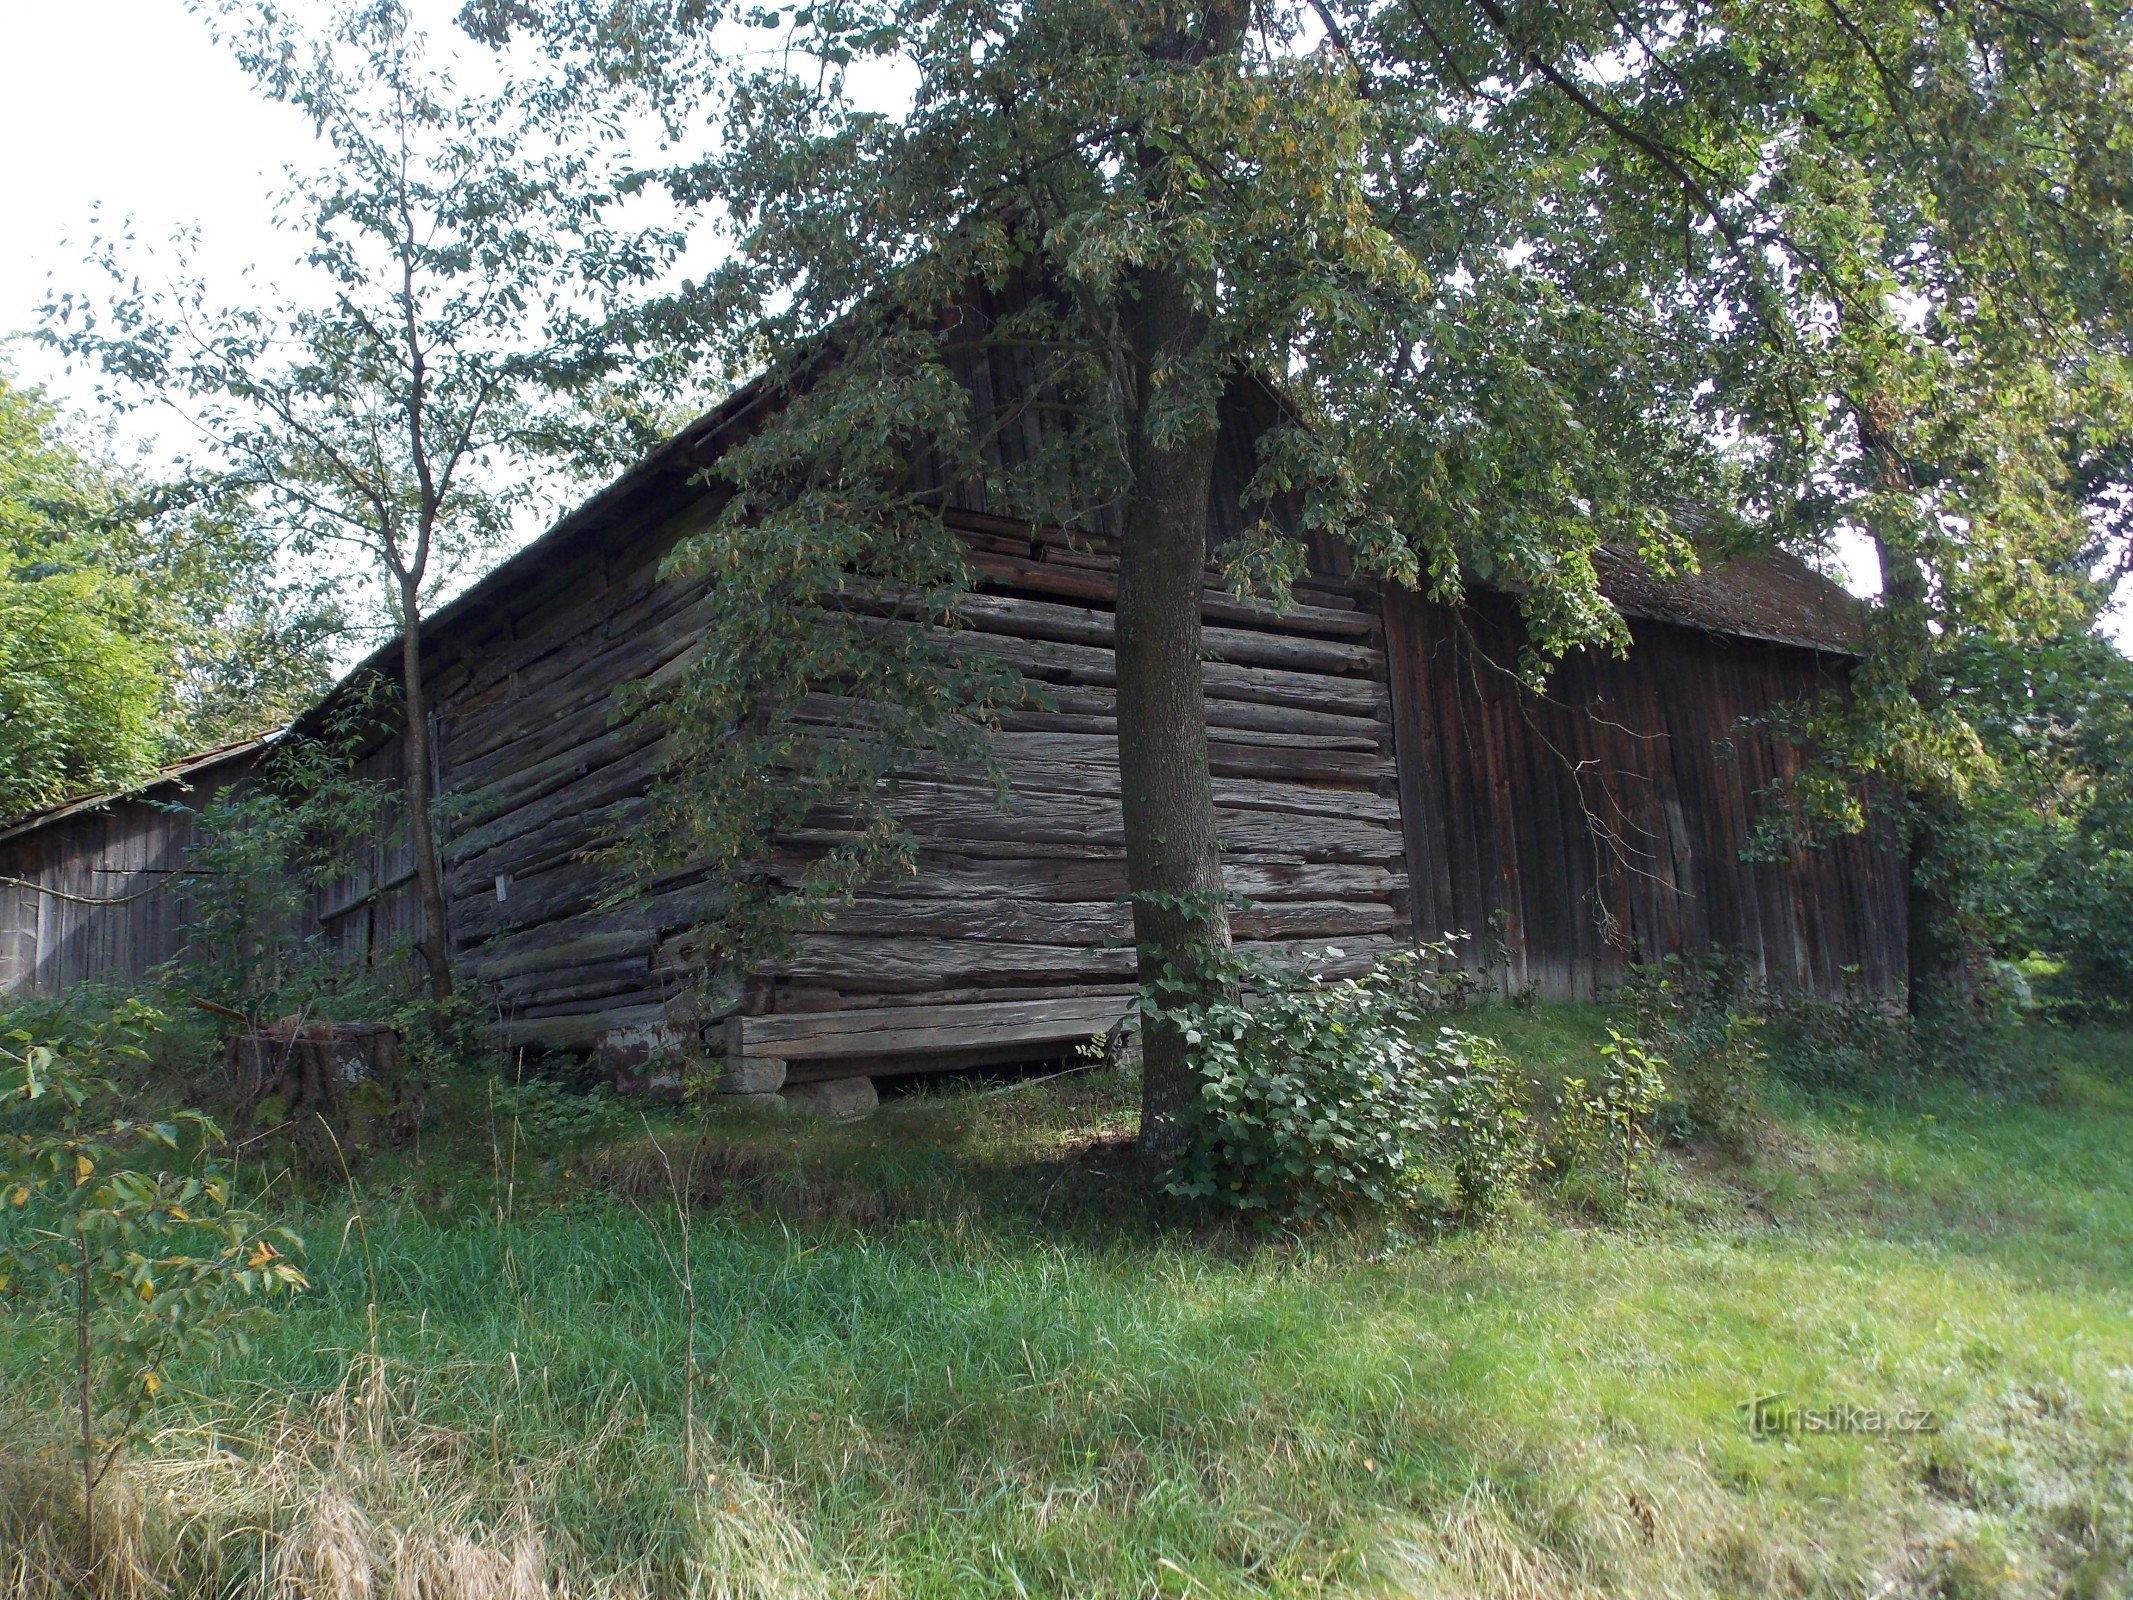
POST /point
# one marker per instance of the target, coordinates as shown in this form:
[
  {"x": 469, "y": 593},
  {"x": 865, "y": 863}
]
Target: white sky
[
  {"x": 128, "y": 106},
  {"x": 131, "y": 104}
]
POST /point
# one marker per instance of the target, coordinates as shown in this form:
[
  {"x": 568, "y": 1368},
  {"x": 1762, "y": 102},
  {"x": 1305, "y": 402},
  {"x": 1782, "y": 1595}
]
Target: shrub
[
  {"x": 1318, "y": 1096},
  {"x": 262, "y": 853},
  {"x": 1609, "y": 1124},
  {"x": 1700, "y": 1019}
]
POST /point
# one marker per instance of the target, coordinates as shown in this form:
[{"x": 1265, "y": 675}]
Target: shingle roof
[{"x": 1778, "y": 598}]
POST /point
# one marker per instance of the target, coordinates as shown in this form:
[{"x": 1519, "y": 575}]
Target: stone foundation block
[{"x": 839, "y": 1099}]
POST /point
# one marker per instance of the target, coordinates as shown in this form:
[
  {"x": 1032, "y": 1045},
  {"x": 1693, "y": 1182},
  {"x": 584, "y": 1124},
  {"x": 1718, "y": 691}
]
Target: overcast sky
[
  {"x": 130, "y": 104},
  {"x": 126, "y": 114}
]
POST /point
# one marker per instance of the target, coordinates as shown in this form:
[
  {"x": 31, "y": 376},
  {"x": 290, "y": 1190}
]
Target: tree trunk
[
  {"x": 1173, "y": 859},
  {"x": 429, "y": 875},
  {"x": 1934, "y": 954},
  {"x": 83, "y": 1373}
]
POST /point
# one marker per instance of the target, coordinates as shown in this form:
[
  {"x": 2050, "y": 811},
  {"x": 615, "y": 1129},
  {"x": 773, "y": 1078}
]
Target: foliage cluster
[
  {"x": 139, "y": 621},
  {"x": 1316, "y": 1095},
  {"x": 1609, "y": 1122},
  {"x": 1698, "y": 1016},
  {"x": 261, "y": 853},
  {"x": 2049, "y": 838},
  {"x": 550, "y": 1115}
]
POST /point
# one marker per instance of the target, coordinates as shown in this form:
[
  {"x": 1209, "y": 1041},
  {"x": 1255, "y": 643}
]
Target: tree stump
[{"x": 292, "y": 1071}]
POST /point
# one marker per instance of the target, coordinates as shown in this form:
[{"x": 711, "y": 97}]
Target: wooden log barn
[{"x": 1380, "y": 771}]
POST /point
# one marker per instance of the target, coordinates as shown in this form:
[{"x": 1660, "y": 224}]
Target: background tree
[
  {"x": 420, "y": 402},
  {"x": 138, "y": 622}
]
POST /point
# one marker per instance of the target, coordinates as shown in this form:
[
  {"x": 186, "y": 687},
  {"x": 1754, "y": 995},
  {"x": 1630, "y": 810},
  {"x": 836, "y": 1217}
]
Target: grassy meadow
[{"x": 948, "y": 1353}]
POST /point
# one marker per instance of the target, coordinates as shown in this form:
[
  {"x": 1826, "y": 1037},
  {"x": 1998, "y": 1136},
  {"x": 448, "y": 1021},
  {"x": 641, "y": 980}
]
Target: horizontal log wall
[
  {"x": 541, "y": 770},
  {"x": 1027, "y": 902},
  {"x": 1572, "y": 831},
  {"x": 1575, "y": 829}
]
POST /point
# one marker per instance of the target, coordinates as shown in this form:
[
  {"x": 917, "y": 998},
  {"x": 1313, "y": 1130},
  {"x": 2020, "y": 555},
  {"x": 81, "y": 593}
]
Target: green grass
[{"x": 947, "y": 1353}]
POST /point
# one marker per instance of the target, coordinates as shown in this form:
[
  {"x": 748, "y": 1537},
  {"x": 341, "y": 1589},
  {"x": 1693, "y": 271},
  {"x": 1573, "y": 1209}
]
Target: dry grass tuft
[
  {"x": 749, "y": 1547},
  {"x": 325, "y": 1502}
]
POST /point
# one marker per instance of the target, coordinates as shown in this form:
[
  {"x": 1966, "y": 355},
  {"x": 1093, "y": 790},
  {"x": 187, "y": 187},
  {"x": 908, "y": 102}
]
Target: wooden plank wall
[
  {"x": 539, "y": 770},
  {"x": 373, "y": 910},
  {"x": 1027, "y": 903},
  {"x": 1570, "y": 832},
  {"x": 114, "y": 852}
]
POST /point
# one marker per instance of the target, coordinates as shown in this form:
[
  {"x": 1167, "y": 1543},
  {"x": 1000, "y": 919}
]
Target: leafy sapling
[
  {"x": 1612, "y": 1119},
  {"x": 119, "y": 1235}
]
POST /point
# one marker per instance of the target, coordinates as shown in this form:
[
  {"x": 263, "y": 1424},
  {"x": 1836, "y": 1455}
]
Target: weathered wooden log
[
  {"x": 1090, "y": 711},
  {"x": 572, "y": 1031},
  {"x": 1048, "y": 759},
  {"x": 569, "y": 606},
  {"x": 1027, "y": 875},
  {"x": 550, "y": 989},
  {"x": 554, "y": 843},
  {"x": 611, "y": 767},
  {"x": 1012, "y": 617},
  {"x": 1059, "y": 581},
  {"x": 921, "y": 1029},
  {"x": 478, "y": 924},
  {"x": 558, "y": 953},
  {"x": 859, "y": 961},
  {"x": 1002, "y": 919},
  {"x": 1086, "y": 664},
  {"x": 583, "y": 677},
  {"x": 963, "y": 812},
  {"x": 528, "y": 745}
]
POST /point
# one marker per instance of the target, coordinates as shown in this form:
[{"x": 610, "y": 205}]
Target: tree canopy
[
  {"x": 1528, "y": 279},
  {"x": 139, "y": 621}
]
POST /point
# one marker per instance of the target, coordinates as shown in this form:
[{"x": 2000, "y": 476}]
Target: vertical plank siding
[
  {"x": 1604, "y": 819},
  {"x": 110, "y": 903}
]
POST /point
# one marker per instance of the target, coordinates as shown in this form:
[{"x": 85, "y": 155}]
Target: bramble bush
[
  {"x": 1320, "y": 1096},
  {"x": 1699, "y": 1018}
]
